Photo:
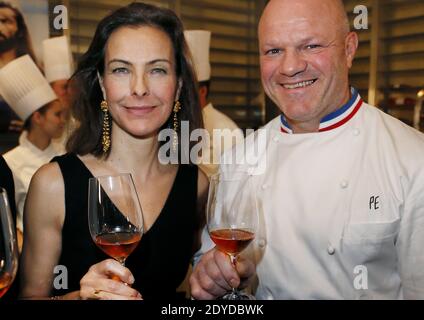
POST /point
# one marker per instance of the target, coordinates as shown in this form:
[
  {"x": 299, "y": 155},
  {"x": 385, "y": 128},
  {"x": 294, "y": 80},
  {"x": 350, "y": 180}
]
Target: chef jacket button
[
  {"x": 330, "y": 250},
  {"x": 264, "y": 186},
  {"x": 261, "y": 243},
  {"x": 344, "y": 184},
  {"x": 356, "y": 132},
  {"x": 276, "y": 139}
]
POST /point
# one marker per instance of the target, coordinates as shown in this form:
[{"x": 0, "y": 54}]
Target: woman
[{"x": 133, "y": 74}]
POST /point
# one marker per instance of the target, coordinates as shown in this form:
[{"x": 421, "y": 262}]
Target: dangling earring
[
  {"x": 177, "y": 107},
  {"x": 106, "y": 127}
]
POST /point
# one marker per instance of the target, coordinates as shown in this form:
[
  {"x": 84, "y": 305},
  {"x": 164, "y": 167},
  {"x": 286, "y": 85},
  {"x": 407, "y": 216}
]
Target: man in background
[
  {"x": 227, "y": 133},
  {"x": 58, "y": 69},
  {"x": 15, "y": 41}
]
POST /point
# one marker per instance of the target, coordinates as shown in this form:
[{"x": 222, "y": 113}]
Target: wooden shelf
[
  {"x": 216, "y": 6},
  {"x": 219, "y": 21},
  {"x": 404, "y": 37}
]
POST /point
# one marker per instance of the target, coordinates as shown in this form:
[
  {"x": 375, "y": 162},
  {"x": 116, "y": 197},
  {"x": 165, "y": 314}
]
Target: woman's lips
[{"x": 139, "y": 111}]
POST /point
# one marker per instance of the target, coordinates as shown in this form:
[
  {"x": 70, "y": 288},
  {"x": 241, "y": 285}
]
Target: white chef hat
[
  {"x": 24, "y": 87},
  {"x": 57, "y": 57},
  {"x": 199, "y": 42}
]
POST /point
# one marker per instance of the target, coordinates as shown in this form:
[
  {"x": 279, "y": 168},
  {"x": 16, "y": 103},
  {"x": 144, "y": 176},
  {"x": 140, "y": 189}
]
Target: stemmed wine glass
[
  {"x": 115, "y": 216},
  {"x": 8, "y": 245},
  {"x": 232, "y": 217}
]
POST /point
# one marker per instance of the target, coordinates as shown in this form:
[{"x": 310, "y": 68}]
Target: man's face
[
  {"x": 8, "y": 25},
  {"x": 8, "y": 29},
  {"x": 305, "y": 57}
]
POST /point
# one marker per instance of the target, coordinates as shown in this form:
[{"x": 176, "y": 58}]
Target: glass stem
[{"x": 235, "y": 292}]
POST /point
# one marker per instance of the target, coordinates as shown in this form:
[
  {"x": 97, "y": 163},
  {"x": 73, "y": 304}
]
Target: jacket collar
[{"x": 336, "y": 118}]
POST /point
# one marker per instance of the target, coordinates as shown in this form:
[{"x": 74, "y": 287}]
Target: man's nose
[{"x": 292, "y": 63}]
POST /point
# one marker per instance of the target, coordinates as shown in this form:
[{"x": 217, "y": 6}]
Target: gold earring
[
  {"x": 177, "y": 107},
  {"x": 106, "y": 127}
]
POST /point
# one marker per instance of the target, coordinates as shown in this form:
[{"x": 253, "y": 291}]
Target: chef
[
  {"x": 28, "y": 93},
  {"x": 58, "y": 69},
  {"x": 340, "y": 184},
  {"x": 227, "y": 133}
]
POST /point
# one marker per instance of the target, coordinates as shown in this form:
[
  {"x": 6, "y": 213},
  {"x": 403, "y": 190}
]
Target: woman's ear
[
  {"x": 179, "y": 86},
  {"x": 99, "y": 77}
]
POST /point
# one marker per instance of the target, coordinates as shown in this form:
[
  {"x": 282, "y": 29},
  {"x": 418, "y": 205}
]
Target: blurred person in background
[
  {"x": 28, "y": 93},
  {"x": 15, "y": 42},
  {"x": 58, "y": 69},
  {"x": 227, "y": 133}
]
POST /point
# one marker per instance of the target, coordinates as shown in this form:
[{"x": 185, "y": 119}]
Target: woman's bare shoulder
[{"x": 48, "y": 176}]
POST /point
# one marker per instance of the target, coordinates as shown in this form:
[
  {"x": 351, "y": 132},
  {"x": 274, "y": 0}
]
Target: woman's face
[{"x": 139, "y": 81}]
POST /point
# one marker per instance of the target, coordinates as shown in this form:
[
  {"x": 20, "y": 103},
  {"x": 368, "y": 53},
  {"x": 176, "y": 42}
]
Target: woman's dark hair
[
  {"x": 22, "y": 41},
  {"x": 87, "y": 138}
]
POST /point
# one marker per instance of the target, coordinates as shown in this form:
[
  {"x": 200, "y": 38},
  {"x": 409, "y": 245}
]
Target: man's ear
[
  {"x": 36, "y": 117},
  {"x": 179, "y": 87},
  {"x": 351, "y": 44},
  {"x": 203, "y": 91},
  {"x": 99, "y": 77}
]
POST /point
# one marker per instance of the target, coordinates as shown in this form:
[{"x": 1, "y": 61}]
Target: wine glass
[
  {"x": 232, "y": 217},
  {"x": 115, "y": 216},
  {"x": 8, "y": 245}
]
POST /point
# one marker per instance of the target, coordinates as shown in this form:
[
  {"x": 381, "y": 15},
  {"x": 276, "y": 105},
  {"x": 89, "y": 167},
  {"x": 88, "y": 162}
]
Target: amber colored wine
[
  {"x": 232, "y": 241},
  {"x": 118, "y": 245},
  {"x": 5, "y": 282}
]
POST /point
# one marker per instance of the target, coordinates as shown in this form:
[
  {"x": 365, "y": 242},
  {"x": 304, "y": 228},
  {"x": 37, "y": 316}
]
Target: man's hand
[{"x": 215, "y": 275}]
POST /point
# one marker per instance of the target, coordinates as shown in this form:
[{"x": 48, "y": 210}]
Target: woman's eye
[
  {"x": 158, "y": 71},
  {"x": 120, "y": 70}
]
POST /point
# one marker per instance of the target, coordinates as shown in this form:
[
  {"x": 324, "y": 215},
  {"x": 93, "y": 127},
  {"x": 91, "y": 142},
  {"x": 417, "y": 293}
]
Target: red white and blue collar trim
[{"x": 334, "y": 119}]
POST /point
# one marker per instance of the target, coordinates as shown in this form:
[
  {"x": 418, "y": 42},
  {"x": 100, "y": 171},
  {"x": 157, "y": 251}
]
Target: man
[
  {"x": 58, "y": 68},
  {"x": 227, "y": 133},
  {"x": 14, "y": 42},
  {"x": 31, "y": 97},
  {"x": 341, "y": 195}
]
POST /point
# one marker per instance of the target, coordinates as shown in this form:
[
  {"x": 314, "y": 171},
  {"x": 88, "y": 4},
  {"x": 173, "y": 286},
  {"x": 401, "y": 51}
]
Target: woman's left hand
[{"x": 108, "y": 280}]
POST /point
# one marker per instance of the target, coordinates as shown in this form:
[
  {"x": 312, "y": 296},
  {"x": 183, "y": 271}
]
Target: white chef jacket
[
  {"x": 216, "y": 120},
  {"x": 341, "y": 211},
  {"x": 24, "y": 161}
]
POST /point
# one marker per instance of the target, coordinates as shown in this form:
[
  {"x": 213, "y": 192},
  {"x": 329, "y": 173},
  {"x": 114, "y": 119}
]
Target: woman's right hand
[{"x": 108, "y": 280}]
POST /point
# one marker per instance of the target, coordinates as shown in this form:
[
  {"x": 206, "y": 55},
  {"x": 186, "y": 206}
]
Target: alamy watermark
[
  {"x": 60, "y": 21},
  {"x": 360, "y": 282},
  {"x": 249, "y": 151},
  {"x": 60, "y": 281},
  {"x": 361, "y": 20}
]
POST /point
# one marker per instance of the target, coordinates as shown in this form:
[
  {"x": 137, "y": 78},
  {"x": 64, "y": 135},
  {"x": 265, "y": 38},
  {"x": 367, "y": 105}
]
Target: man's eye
[
  {"x": 312, "y": 46},
  {"x": 273, "y": 51}
]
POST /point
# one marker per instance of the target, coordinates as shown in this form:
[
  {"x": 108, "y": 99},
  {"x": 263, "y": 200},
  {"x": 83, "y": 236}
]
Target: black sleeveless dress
[
  {"x": 6, "y": 182},
  {"x": 160, "y": 262}
]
